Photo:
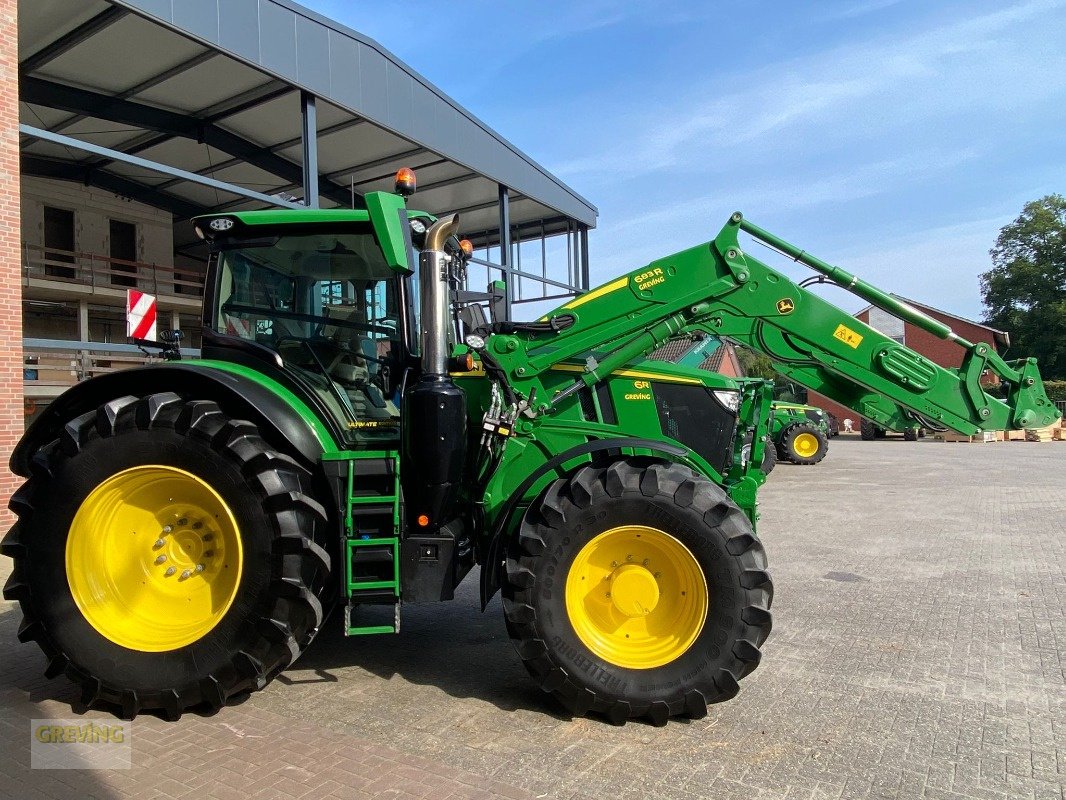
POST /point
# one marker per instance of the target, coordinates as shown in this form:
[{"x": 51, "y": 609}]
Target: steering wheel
[{"x": 309, "y": 343}]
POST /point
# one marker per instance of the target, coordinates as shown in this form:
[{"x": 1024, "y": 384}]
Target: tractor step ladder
[{"x": 372, "y": 539}]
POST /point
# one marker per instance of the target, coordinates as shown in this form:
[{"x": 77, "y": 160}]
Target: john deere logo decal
[{"x": 785, "y": 305}]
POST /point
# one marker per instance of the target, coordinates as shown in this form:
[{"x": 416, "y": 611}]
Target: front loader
[{"x": 187, "y": 528}]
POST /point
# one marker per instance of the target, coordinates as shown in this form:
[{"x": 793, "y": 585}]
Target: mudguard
[{"x": 282, "y": 423}]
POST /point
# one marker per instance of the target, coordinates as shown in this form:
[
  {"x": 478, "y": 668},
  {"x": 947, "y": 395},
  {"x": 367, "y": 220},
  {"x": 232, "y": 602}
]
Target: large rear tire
[
  {"x": 867, "y": 430},
  {"x": 803, "y": 443},
  {"x": 691, "y": 592},
  {"x": 166, "y": 557}
]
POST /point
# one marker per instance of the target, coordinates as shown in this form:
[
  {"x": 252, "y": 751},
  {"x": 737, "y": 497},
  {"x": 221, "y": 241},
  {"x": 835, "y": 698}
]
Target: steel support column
[
  {"x": 585, "y": 258},
  {"x": 310, "y": 143},
  {"x": 505, "y": 244}
]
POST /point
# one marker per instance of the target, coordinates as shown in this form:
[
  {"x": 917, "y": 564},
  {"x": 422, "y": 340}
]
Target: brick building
[
  {"x": 703, "y": 352},
  {"x": 11, "y": 403},
  {"x": 940, "y": 351}
]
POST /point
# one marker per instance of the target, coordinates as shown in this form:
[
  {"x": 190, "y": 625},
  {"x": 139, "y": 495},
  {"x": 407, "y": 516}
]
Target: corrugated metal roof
[{"x": 237, "y": 68}]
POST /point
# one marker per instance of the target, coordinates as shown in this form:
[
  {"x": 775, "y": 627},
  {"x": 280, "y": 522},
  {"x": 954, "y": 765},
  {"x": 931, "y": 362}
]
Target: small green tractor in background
[
  {"x": 356, "y": 436},
  {"x": 800, "y": 433}
]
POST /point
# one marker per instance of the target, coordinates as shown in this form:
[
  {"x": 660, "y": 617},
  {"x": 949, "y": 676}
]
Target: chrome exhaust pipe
[
  {"x": 434, "y": 409},
  {"x": 433, "y": 282}
]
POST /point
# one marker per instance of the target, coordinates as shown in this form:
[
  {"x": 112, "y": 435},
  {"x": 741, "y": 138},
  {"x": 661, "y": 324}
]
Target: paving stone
[{"x": 937, "y": 675}]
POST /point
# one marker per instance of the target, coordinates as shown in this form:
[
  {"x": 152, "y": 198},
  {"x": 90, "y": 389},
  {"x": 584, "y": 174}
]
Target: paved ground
[{"x": 918, "y": 651}]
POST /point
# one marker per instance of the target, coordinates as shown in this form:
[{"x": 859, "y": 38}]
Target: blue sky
[{"x": 892, "y": 138}]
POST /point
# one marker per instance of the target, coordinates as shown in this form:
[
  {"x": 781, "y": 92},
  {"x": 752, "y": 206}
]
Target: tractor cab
[{"x": 327, "y": 301}]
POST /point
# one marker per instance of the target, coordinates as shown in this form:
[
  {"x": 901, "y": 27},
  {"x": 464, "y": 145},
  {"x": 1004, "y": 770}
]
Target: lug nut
[
  {"x": 158, "y": 543},
  {"x": 658, "y": 574},
  {"x": 185, "y": 574},
  {"x": 199, "y": 567},
  {"x": 614, "y": 563},
  {"x": 645, "y": 562},
  {"x": 170, "y": 571},
  {"x": 160, "y": 559},
  {"x": 167, "y": 529},
  {"x": 629, "y": 558}
]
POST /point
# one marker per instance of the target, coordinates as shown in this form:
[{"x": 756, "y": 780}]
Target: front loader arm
[{"x": 718, "y": 288}]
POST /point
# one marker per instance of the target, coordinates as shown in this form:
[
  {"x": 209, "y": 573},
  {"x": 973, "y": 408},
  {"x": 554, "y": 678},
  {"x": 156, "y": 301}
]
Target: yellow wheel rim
[
  {"x": 805, "y": 445},
  {"x": 636, "y": 597},
  {"x": 153, "y": 558}
]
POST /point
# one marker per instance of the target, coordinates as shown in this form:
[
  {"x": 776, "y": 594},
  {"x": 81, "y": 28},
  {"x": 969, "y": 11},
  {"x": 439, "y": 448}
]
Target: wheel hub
[
  {"x": 805, "y": 445},
  {"x": 634, "y": 591},
  {"x": 636, "y": 597},
  {"x": 153, "y": 558}
]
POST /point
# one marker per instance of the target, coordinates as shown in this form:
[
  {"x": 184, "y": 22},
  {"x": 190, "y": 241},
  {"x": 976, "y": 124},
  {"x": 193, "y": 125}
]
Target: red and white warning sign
[{"x": 140, "y": 315}]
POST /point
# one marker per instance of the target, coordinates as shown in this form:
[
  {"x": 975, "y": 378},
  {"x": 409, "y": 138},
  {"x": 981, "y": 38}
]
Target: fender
[
  {"x": 492, "y": 564},
  {"x": 284, "y": 423}
]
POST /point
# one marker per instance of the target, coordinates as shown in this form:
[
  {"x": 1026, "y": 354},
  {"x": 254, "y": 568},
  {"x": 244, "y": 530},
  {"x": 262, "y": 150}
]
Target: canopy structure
[{"x": 233, "y": 104}]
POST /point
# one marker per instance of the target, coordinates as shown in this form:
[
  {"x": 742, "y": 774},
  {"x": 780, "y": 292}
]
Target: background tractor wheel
[
  {"x": 804, "y": 444},
  {"x": 637, "y": 590},
  {"x": 867, "y": 430},
  {"x": 165, "y": 556},
  {"x": 769, "y": 456}
]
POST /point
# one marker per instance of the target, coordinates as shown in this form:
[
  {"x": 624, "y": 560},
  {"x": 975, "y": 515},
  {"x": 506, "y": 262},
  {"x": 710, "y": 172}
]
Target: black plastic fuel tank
[{"x": 434, "y": 451}]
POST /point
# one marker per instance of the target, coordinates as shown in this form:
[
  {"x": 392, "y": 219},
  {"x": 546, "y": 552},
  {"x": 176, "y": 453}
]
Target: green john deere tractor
[
  {"x": 800, "y": 433},
  {"x": 353, "y": 437}
]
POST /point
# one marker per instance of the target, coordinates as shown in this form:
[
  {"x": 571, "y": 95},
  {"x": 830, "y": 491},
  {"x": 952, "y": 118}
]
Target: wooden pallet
[
  {"x": 1042, "y": 434},
  {"x": 986, "y": 438}
]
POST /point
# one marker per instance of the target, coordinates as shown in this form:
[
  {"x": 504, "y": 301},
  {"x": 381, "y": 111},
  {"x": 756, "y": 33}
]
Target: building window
[
  {"x": 59, "y": 243},
  {"x": 123, "y": 248}
]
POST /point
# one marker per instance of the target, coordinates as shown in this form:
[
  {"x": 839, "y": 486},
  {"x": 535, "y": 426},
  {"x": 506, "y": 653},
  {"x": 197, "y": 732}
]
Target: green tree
[
  {"x": 755, "y": 365},
  {"x": 1025, "y": 291}
]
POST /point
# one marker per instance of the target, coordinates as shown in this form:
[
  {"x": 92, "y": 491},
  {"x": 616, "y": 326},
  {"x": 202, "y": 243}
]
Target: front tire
[
  {"x": 693, "y": 600},
  {"x": 769, "y": 456},
  {"x": 166, "y": 557},
  {"x": 803, "y": 443}
]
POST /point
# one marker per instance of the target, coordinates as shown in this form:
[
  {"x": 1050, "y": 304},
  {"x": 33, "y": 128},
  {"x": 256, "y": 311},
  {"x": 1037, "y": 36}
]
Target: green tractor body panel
[{"x": 295, "y": 403}]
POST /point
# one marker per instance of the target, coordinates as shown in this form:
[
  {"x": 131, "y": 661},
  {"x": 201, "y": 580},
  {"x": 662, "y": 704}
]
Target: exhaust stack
[
  {"x": 433, "y": 280},
  {"x": 434, "y": 410}
]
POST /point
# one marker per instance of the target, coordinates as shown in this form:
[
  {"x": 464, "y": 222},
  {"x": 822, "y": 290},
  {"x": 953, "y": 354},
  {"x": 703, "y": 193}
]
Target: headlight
[{"x": 728, "y": 398}]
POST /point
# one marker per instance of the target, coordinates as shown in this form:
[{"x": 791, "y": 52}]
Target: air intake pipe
[{"x": 434, "y": 409}]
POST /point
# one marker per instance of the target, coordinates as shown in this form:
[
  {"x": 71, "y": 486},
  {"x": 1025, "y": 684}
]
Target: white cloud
[
  {"x": 859, "y": 9},
  {"x": 855, "y": 91}
]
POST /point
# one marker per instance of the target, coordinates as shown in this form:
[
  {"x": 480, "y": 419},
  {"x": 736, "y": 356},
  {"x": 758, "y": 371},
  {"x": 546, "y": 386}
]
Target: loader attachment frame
[{"x": 720, "y": 289}]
